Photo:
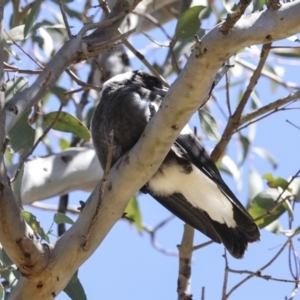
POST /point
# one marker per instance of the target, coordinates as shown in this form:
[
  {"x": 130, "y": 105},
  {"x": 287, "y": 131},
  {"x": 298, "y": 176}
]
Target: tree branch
[
  {"x": 70, "y": 170},
  {"x": 185, "y": 257},
  {"x": 233, "y": 121}
]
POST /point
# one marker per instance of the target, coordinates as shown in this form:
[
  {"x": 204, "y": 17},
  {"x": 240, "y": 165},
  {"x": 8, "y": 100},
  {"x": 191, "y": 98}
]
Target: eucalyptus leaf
[
  {"x": 209, "y": 125},
  {"x": 245, "y": 143},
  {"x": 32, "y": 16},
  {"x": 263, "y": 153},
  {"x": 74, "y": 289},
  {"x": 67, "y": 123},
  {"x": 32, "y": 221},
  {"x": 276, "y": 182},
  {"x": 262, "y": 204},
  {"x": 189, "y": 22},
  {"x": 60, "y": 218},
  {"x": 17, "y": 85},
  {"x": 133, "y": 212},
  {"x": 22, "y": 136}
]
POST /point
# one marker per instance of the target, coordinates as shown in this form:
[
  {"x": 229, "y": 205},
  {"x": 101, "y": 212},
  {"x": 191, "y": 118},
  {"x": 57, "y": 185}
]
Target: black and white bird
[{"x": 187, "y": 183}]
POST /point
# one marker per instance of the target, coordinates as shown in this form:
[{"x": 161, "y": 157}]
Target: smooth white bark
[{"x": 59, "y": 174}]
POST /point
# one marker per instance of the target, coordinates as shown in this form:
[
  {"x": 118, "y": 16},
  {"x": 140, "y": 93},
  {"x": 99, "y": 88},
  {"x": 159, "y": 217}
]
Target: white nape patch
[
  {"x": 186, "y": 130},
  {"x": 197, "y": 188},
  {"x": 117, "y": 78}
]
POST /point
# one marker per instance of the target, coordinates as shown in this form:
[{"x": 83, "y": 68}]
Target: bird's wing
[
  {"x": 199, "y": 157},
  {"x": 189, "y": 185}
]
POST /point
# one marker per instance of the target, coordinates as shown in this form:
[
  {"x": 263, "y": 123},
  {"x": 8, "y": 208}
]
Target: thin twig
[
  {"x": 260, "y": 275},
  {"x": 202, "y": 245},
  {"x": 271, "y": 210},
  {"x": 63, "y": 13},
  {"x": 265, "y": 266},
  {"x": 287, "y": 186},
  {"x": 269, "y": 107},
  {"x": 292, "y": 124},
  {"x": 40, "y": 139},
  {"x": 10, "y": 68},
  {"x": 104, "y": 6},
  {"x": 203, "y": 293},
  {"x": 107, "y": 23},
  {"x": 234, "y": 120},
  {"x": 267, "y": 74},
  {"x": 152, "y": 232},
  {"x": 82, "y": 83},
  {"x": 232, "y": 18},
  {"x": 28, "y": 55},
  {"x": 154, "y": 21},
  {"x": 228, "y": 94}
]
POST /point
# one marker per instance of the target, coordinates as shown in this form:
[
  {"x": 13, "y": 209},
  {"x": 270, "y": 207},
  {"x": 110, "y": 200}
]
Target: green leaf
[
  {"x": 258, "y": 5},
  {"x": 262, "y": 204},
  {"x": 245, "y": 143},
  {"x": 35, "y": 225},
  {"x": 6, "y": 259},
  {"x": 266, "y": 155},
  {"x": 22, "y": 136},
  {"x": 209, "y": 125},
  {"x": 32, "y": 16},
  {"x": 74, "y": 289},
  {"x": 68, "y": 123},
  {"x": 60, "y": 218},
  {"x": 10, "y": 51},
  {"x": 17, "y": 85},
  {"x": 189, "y": 22},
  {"x": 64, "y": 144},
  {"x": 276, "y": 182},
  {"x": 132, "y": 211},
  {"x": 17, "y": 186}
]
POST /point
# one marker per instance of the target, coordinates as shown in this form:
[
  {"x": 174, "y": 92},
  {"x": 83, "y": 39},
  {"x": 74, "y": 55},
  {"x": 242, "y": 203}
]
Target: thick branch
[
  {"x": 16, "y": 236},
  {"x": 59, "y": 174}
]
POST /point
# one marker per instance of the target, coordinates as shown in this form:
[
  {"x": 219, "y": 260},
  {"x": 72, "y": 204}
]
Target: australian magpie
[{"x": 187, "y": 183}]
